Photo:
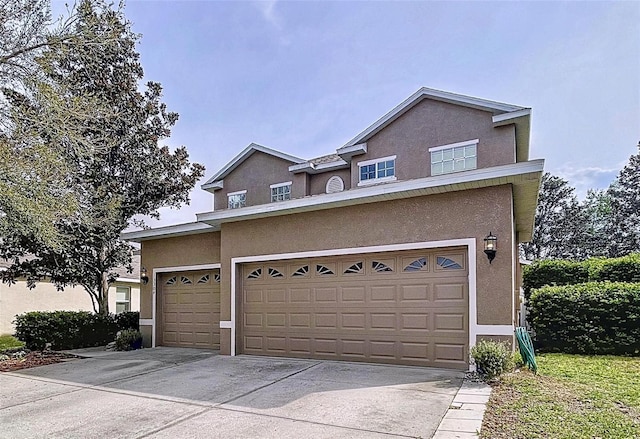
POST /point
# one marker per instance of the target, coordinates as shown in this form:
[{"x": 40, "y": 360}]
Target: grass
[
  {"x": 573, "y": 396},
  {"x": 9, "y": 342}
]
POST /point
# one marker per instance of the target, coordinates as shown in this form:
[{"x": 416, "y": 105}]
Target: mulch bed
[{"x": 25, "y": 359}]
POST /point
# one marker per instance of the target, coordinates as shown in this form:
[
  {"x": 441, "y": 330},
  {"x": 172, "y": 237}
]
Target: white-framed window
[
  {"x": 237, "y": 199},
  {"x": 454, "y": 157},
  {"x": 377, "y": 170},
  {"x": 123, "y": 299},
  {"x": 280, "y": 191}
]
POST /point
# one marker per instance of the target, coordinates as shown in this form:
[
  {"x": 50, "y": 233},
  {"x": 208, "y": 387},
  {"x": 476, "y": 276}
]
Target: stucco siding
[
  {"x": 468, "y": 214},
  {"x": 432, "y": 123},
  {"x": 254, "y": 175},
  {"x": 188, "y": 250},
  {"x": 319, "y": 181}
]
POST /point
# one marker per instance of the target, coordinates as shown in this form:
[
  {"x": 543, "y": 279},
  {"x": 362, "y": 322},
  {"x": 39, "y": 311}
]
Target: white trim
[
  {"x": 455, "y": 145},
  {"x": 506, "y": 118},
  {"x": 154, "y": 295},
  {"x": 127, "y": 280},
  {"x": 373, "y": 181},
  {"x": 166, "y": 231},
  {"x": 225, "y": 324},
  {"x": 351, "y": 150},
  {"x": 215, "y": 185},
  {"x": 495, "y": 329},
  {"x": 374, "y": 161},
  {"x": 145, "y": 322},
  {"x": 286, "y": 183},
  {"x": 230, "y": 194},
  {"x": 470, "y": 243},
  {"x": 514, "y": 261}
]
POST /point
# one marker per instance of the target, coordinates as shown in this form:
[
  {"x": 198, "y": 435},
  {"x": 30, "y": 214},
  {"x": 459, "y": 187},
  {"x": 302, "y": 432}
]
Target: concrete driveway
[{"x": 190, "y": 393}]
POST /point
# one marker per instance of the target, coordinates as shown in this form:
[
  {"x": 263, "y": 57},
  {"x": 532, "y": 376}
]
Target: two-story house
[{"x": 374, "y": 253}]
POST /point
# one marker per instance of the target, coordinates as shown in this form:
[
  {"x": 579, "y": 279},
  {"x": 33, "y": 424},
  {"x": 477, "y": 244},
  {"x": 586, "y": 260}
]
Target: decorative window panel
[
  {"x": 274, "y": 272},
  {"x": 416, "y": 264},
  {"x": 302, "y": 271},
  {"x": 324, "y": 270},
  {"x": 255, "y": 274},
  {"x": 204, "y": 279},
  {"x": 356, "y": 268},
  {"x": 447, "y": 264},
  {"x": 216, "y": 278},
  {"x": 381, "y": 267},
  {"x": 171, "y": 281},
  {"x": 184, "y": 280}
]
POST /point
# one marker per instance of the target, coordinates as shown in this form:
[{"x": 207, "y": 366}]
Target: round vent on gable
[{"x": 335, "y": 184}]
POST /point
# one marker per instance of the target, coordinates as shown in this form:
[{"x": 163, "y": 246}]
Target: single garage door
[
  {"x": 190, "y": 309},
  {"x": 401, "y": 308}
]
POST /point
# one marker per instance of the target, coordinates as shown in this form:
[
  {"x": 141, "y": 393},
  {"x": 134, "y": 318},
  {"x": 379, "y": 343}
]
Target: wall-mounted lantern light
[
  {"x": 144, "y": 278},
  {"x": 490, "y": 246}
]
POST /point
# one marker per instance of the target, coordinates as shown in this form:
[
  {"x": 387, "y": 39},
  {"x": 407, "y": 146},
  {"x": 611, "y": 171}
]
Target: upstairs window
[
  {"x": 280, "y": 191},
  {"x": 455, "y": 157},
  {"x": 237, "y": 199},
  {"x": 377, "y": 170}
]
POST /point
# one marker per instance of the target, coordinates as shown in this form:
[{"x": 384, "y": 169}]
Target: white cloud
[
  {"x": 268, "y": 9},
  {"x": 591, "y": 177}
]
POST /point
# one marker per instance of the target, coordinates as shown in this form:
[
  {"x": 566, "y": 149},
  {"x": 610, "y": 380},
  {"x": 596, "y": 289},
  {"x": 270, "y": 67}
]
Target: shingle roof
[
  {"x": 122, "y": 271},
  {"x": 325, "y": 159}
]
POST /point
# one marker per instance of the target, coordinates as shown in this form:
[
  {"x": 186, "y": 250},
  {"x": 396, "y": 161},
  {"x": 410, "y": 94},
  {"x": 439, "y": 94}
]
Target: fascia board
[
  {"x": 443, "y": 183},
  {"x": 237, "y": 160},
  {"x": 311, "y": 168},
  {"x": 213, "y": 186},
  {"x": 522, "y": 121},
  {"x": 168, "y": 231},
  {"x": 439, "y": 95}
]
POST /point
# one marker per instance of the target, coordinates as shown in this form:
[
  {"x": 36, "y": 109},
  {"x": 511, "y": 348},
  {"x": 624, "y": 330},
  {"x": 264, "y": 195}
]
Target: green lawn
[
  {"x": 8, "y": 342},
  {"x": 573, "y": 396}
]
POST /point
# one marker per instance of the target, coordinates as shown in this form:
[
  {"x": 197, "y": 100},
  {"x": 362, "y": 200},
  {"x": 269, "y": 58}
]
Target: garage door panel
[
  {"x": 190, "y": 310},
  {"x": 399, "y": 308}
]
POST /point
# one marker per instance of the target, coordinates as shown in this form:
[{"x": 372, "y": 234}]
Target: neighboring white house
[{"x": 124, "y": 295}]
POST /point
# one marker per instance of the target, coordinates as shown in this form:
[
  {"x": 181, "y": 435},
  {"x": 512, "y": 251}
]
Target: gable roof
[
  {"x": 245, "y": 154},
  {"x": 499, "y": 110}
]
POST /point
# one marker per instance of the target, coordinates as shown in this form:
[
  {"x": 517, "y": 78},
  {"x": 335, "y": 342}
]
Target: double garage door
[{"x": 401, "y": 308}]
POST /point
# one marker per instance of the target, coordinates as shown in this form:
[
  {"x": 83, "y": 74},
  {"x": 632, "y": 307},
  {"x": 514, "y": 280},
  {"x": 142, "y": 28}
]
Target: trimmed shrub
[
  {"x": 128, "y": 339},
  {"x": 563, "y": 272},
  {"x": 553, "y": 272},
  {"x": 64, "y": 329},
  {"x": 492, "y": 358},
  {"x": 591, "y": 318},
  {"x": 623, "y": 269},
  {"x": 128, "y": 320}
]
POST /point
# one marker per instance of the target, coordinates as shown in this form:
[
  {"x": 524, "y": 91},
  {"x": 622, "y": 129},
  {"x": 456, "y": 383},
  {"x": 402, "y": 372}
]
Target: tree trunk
[{"x": 103, "y": 295}]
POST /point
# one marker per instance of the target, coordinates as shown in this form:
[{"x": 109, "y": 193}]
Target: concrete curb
[{"x": 464, "y": 417}]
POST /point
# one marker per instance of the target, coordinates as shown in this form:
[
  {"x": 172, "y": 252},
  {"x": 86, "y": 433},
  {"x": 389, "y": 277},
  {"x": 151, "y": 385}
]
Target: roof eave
[
  {"x": 185, "y": 229},
  {"x": 525, "y": 178}
]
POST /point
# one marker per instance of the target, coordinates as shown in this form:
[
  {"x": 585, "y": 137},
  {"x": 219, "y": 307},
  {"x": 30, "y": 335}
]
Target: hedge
[
  {"x": 591, "y": 318},
  {"x": 563, "y": 272},
  {"x": 70, "y": 329}
]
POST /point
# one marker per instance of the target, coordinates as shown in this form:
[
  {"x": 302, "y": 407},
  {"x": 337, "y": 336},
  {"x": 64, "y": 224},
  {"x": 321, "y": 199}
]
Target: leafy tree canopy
[{"x": 119, "y": 169}]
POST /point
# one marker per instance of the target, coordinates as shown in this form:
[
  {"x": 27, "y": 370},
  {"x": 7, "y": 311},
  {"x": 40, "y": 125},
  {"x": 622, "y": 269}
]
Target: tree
[
  {"x": 560, "y": 223},
  {"x": 624, "y": 233},
  {"x": 119, "y": 169}
]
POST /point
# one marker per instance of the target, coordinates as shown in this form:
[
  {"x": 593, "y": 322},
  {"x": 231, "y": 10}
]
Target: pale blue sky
[{"x": 305, "y": 77}]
